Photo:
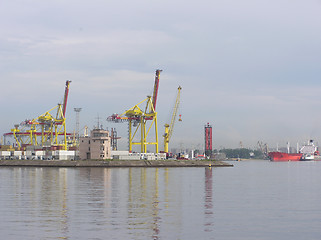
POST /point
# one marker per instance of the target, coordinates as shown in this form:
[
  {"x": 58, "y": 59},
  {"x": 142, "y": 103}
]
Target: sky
[{"x": 251, "y": 68}]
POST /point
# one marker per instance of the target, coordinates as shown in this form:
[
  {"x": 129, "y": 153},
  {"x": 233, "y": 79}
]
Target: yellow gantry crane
[
  {"x": 141, "y": 120},
  {"x": 44, "y": 130},
  {"x": 170, "y": 127}
]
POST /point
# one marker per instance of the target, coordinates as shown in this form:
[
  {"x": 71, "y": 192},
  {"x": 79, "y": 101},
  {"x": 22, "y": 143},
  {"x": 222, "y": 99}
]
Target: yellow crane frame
[
  {"x": 141, "y": 121},
  {"x": 170, "y": 127},
  {"x": 46, "y": 127},
  {"x": 138, "y": 123}
]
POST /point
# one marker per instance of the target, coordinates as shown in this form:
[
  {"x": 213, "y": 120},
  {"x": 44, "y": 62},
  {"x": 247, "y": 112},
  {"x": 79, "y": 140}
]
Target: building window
[{"x": 100, "y": 134}]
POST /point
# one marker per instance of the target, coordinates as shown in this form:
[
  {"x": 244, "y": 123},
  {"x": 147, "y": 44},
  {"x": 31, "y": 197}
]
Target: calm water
[{"x": 252, "y": 200}]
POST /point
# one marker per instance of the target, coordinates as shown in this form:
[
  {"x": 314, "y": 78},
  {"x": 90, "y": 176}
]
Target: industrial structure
[
  {"x": 77, "y": 111},
  {"x": 141, "y": 121},
  {"x": 44, "y": 130},
  {"x": 42, "y": 136},
  {"x": 114, "y": 138},
  {"x": 46, "y": 137},
  {"x": 95, "y": 146},
  {"x": 208, "y": 140},
  {"x": 170, "y": 127}
]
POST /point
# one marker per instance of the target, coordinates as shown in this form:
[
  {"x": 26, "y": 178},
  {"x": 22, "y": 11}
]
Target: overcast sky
[{"x": 250, "y": 68}]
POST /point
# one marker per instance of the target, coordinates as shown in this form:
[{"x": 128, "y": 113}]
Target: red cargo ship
[{"x": 283, "y": 157}]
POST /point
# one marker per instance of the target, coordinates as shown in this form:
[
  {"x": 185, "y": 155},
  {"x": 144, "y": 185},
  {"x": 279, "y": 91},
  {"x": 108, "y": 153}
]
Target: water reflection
[
  {"x": 208, "y": 205},
  {"x": 143, "y": 200},
  {"x": 244, "y": 202},
  {"x": 39, "y": 200},
  {"x": 91, "y": 203}
]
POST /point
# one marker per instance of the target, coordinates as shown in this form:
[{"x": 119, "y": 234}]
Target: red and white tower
[{"x": 208, "y": 140}]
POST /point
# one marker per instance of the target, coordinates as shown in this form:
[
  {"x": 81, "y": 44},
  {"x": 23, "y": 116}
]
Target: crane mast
[{"x": 170, "y": 127}]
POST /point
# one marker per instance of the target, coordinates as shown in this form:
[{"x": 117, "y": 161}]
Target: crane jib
[
  {"x": 158, "y": 71},
  {"x": 66, "y": 97}
]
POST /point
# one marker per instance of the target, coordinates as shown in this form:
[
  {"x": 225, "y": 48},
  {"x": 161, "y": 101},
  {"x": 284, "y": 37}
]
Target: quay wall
[{"x": 113, "y": 163}]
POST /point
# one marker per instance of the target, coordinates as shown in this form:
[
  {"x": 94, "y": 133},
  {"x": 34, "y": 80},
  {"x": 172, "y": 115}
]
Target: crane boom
[
  {"x": 66, "y": 98},
  {"x": 158, "y": 71},
  {"x": 169, "y": 128}
]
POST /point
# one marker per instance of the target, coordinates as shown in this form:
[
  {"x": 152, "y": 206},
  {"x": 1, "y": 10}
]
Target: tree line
[{"x": 242, "y": 153}]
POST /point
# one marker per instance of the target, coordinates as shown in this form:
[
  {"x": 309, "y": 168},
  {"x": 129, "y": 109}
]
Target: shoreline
[{"x": 113, "y": 163}]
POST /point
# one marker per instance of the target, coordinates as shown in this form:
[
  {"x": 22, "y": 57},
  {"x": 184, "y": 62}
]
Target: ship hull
[{"x": 284, "y": 157}]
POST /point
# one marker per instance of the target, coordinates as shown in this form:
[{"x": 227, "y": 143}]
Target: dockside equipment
[
  {"x": 170, "y": 127},
  {"x": 141, "y": 120},
  {"x": 43, "y": 131}
]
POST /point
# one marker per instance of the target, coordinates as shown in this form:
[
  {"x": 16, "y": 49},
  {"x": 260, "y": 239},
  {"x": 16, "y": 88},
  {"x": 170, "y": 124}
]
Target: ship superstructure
[{"x": 309, "y": 151}]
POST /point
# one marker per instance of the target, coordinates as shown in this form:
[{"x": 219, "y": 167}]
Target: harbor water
[{"x": 253, "y": 200}]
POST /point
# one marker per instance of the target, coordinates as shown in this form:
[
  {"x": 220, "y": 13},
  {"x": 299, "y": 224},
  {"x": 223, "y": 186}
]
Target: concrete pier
[{"x": 113, "y": 163}]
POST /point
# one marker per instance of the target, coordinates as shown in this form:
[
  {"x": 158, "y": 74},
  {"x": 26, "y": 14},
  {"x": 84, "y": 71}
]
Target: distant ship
[
  {"x": 284, "y": 157},
  {"x": 307, "y": 152}
]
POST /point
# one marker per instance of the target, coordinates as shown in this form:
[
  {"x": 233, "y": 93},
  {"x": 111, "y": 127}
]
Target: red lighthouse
[{"x": 208, "y": 140}]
